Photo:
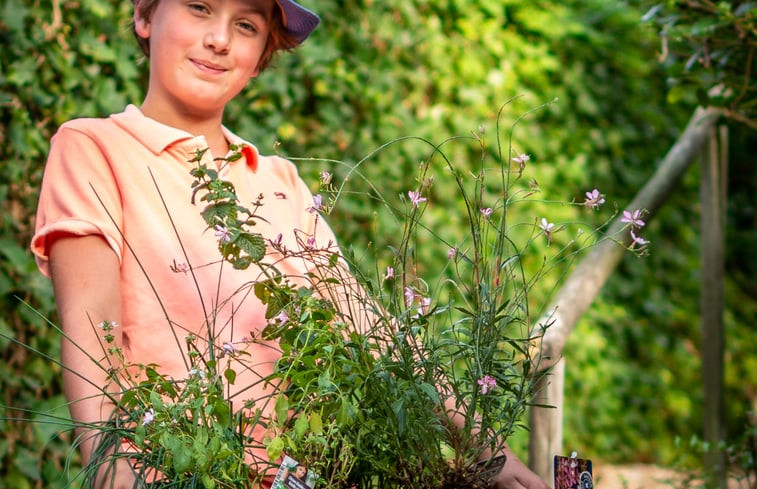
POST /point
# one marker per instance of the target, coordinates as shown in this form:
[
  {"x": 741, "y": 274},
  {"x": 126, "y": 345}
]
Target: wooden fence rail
[{"x": 585, "y": 282}]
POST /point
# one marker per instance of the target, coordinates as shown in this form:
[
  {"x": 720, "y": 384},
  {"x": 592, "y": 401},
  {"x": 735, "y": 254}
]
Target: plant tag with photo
[
  {"x": 293, "y": 475},
  {"x": 573, "y": 472}
]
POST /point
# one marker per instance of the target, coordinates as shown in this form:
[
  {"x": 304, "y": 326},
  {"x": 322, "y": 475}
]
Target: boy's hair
[{"x": 278, "y": 37}]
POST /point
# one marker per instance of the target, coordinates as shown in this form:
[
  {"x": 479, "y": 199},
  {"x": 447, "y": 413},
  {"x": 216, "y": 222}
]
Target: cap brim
[{"x": 298, "y": 21}]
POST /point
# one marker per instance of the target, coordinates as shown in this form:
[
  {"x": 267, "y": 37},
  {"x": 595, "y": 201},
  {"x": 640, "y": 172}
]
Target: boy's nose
[{"x": 218, "y": 38}]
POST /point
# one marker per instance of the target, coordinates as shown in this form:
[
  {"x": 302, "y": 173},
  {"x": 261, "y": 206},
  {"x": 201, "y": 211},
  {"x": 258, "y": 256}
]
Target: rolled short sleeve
[{"x": 79, "y": 195}]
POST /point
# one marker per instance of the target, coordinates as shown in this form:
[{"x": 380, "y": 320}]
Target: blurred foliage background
[{"x": 380, "y": 70}]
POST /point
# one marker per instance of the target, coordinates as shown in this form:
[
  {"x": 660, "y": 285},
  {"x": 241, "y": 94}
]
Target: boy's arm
[{"x": 85, "y": 274}]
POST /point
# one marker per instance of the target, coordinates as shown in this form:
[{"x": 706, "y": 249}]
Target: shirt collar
[{"x": 156, "y": 136}]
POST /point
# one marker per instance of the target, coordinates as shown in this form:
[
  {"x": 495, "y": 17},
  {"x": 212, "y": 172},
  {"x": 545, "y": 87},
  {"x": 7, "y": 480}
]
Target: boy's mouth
[{"x": 207, "y": 66}]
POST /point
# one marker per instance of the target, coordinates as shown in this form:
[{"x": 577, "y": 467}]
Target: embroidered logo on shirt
[{"x": 251, "y": 156}]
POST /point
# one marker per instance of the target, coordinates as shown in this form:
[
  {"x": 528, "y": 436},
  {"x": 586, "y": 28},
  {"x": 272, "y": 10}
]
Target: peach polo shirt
[{"x": 126, "y": 178}]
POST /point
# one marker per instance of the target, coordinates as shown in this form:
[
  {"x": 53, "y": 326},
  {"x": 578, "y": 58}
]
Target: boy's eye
[
  {"x": 198, "y": 7},
  {"x": 248, "y": 26}
]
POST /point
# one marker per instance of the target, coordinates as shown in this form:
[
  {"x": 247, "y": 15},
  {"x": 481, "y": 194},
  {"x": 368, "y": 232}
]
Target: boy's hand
[{"x": 515, "y": 475}]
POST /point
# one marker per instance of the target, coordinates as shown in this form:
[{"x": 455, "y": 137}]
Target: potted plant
[{"x": 384, "y": 379}]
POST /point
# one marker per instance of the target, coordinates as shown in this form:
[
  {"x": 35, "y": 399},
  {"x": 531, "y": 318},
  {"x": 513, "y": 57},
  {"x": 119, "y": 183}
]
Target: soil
[{"x": 481, "y": 478}]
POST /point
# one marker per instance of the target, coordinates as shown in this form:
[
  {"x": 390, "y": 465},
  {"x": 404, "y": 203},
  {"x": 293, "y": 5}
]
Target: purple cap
[{"x": 298, "y": 21}]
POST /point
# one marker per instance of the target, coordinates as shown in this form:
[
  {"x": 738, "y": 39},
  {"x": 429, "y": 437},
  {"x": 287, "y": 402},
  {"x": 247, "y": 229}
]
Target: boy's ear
[{"x": 141, "y": 25}]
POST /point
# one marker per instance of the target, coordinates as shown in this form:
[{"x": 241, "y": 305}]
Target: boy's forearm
[
  {"x": 85, "y": 386},
  {"x": 85, "y": 274}
]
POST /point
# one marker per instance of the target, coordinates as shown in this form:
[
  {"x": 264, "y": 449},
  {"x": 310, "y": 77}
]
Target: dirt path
[
  {"x": 637, "y": 476},
  {"x": 640, "y": 476}
]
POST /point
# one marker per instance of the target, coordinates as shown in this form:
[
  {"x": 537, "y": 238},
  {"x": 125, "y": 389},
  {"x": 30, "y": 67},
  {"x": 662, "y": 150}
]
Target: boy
[{"x": 116, "y": 230}]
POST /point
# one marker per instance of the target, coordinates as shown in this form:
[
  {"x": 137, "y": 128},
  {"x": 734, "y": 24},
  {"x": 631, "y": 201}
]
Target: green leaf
[
  {"x": 398, "y": 407},
  {"x": 208, "y": 482},
  {"x": 22, "y": 72},
  {"x": 214, "y": 446},
  {"x": 219, "y": 212},
  {"x": 169, "y": 389},
  {"x": 98, "y": 50},
  {"x": 182, "y": 459},
  {"x": 242, "y": 263},
  {"x": 344, "y": 415},
  {"x": 252, "y": 244},
  {"x": 230, "y": 375},
  {"x": 18, "y": 257},
  {"x": 14, "y": 14},
  {"x": 325, "y": 384},
  {"x": 139, "y": 435},
  {"x": 156, "y": 400},
  {"x": 282, "y": 408},
  {"x": 300, "y": 426},
  {"x": 222, "y": 411},
  {"x": 168, "y": 441},
  {"x": 275, "y": 447},
  {"x": 200, "y": 440},
  {"x": 316, "y": 423},
  {"x": 430, "y": 392}
]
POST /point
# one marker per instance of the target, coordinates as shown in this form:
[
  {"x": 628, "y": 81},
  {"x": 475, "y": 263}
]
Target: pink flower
[
  {"x": 521, "y": 160},
  {"x": 409, "y": 296},
  {"x": 633, "y": 218},
  {"x": 547, "y": 227},
  {"x": 310, "y": 243},
  {"x": 423, "y": 306},
  {"x": 637, "y": 240},
  {"x": 275, "y": 243},
  {"x": 486, "y": 212},
  {"x": 149, "y": 417},
  {"x": 325, "y": 177},
  {"x": 197, "y": 372},
  {"x": 282, "y": 318},
  {"x": 317, "y": 204},
  {"x": 222, "y": 233},
  {"x": 415, "y": 198},
  {"x": 389, "y": 273},
  {"x": 229, "y": 348},
  {"x": 452, "y": 253},
  {"x": 487, "y": 383},
  {"x": 594, "y": 199}
]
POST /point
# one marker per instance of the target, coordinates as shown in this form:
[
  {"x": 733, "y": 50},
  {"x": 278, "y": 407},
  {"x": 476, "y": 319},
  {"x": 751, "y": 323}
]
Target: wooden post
[
  {"x": 546, "y": 423},
  {"x": 712, "y": 305}
]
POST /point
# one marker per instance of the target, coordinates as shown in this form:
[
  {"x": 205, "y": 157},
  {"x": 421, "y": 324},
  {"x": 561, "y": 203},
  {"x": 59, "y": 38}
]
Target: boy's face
[{"x": 203, "y": 52}]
